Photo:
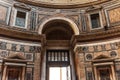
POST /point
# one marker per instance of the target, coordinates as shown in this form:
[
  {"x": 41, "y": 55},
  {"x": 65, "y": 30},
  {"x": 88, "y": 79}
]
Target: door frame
[
  {"x": 102, "y": 65},
  {"x": 59, "y": 63},
  {"x": 104, "y": 68}
]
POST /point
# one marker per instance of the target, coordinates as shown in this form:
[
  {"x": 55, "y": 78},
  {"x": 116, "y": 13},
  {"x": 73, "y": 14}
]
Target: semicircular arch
[{"x": 71, "y": 23}]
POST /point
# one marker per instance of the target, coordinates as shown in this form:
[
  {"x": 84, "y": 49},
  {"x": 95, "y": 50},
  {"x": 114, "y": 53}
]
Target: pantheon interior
[{"x": 59, "y": 39}]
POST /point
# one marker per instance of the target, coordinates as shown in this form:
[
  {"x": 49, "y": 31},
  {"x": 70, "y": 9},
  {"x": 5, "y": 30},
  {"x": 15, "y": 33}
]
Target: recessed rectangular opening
[
  {"x": 58, "y": 65},
  {"x": 20, "y": 19},
  {"x": 95, "y": 20}
]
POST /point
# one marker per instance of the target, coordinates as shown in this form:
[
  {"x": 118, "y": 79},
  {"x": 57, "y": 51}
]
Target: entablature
[
  {"x": 6, "y": 31},
  {"x": 96, "y": 36}
]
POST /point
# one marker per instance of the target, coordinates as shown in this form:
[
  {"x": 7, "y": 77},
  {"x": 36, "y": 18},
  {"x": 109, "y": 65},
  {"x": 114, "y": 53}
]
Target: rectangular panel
[
  {"x": 4, "y": 14},
  {"x": 3, "y": 11},
  {"x": 33, "y": 21},
  {"x": 114, "y": 15},
  {"x": 29, "y": 56}
]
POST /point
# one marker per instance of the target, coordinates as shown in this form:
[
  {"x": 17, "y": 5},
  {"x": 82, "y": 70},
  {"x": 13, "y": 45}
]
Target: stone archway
[
  {"x": 58, "y": 32},
  {"x": 68, "y": 21}
]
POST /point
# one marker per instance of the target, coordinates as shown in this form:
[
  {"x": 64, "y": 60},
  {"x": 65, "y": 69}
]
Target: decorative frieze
[
  {"x": 32, "y": 49},
  {"x": 18, "y": 47},
  {"x": 27, "y": 50},
  {"x": 103, "y": 47},
  {"x": 22, "y": 48},
  {"x": 29, "y": 56},
  {"x": 89, "y": 56},
  {"x": 4, "y": 53},
  {"x": 98, "y": 47},
  {"x": 3, "y": 45},
  {"x": 95, "y": 48},
  {"x": 87, "y": 53},
  {"x": 79, "y": 49},
  {"x": 113, "y": 46},
  {"x": 113, "y": 53},
  {"x": 13, "y": 48}
]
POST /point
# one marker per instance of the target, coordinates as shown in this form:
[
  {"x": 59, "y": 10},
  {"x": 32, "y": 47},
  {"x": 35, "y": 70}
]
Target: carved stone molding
[
  {"x": 23, "y": 6},
  {"x": 6, "y": 31},
  {"x": 62, "y": 6},
  {"x": 93, "y": 8},
  {"x": 103, "y": 35},
  {"x": 79, "y": 50}
]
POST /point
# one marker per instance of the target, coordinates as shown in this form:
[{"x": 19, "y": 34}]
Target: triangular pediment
[
  {"x": 16, "y": 56},
  {"x": 102, "y": 56}
]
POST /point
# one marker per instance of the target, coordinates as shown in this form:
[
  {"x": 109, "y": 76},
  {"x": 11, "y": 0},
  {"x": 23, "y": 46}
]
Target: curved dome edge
[{"x": 61, "y": 6}]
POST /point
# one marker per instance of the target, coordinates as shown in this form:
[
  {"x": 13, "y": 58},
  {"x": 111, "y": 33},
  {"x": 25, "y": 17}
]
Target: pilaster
[
  {"x": 80, "y": 66},
  {"x": 37, "y": 65},
  {"x": 4, "y": 73}
]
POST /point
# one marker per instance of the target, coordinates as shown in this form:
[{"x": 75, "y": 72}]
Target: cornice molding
[
  {"x": 97, "y": 36},
  {"x": 23, "y": 6},
  {"x": 61, "y": 6},
  {"x": 6, "y": 31}
]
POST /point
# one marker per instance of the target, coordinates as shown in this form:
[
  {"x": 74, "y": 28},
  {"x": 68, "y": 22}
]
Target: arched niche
[
  {"x": 58, "y": 30},
  {"x": 64, "y": 20}
]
